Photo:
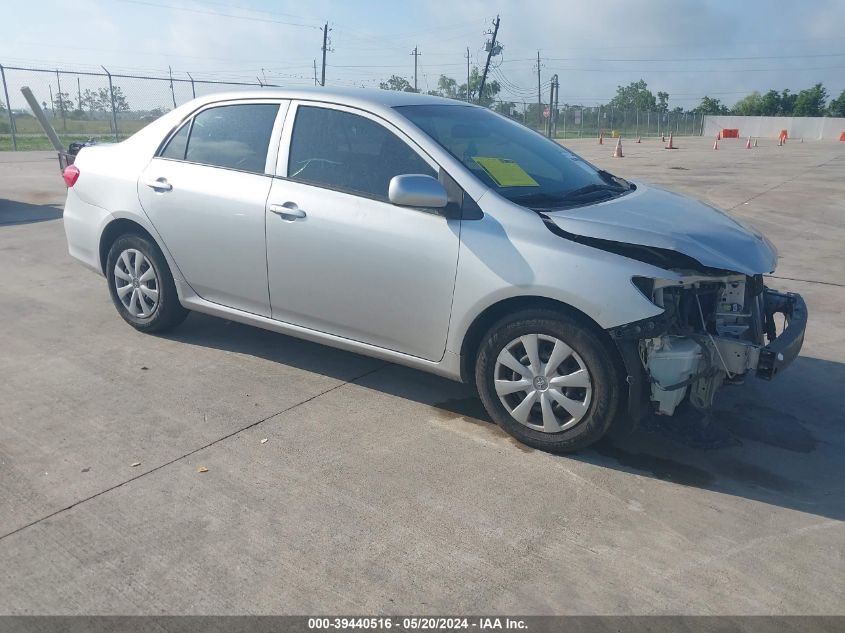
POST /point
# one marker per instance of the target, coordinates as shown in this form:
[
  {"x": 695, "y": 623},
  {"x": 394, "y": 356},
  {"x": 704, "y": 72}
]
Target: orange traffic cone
[
  {"x": 716, "y": 144},
  {"x": 748, "y": 143},
  {"x": 638, "y": 139},
  {"x": 617, "y": 153},
  {"x": 669, "y": 145},
  {"x": 601, "y": 138}
]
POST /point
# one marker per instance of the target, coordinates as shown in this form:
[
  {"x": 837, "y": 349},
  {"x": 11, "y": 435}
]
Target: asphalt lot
[{"x": 385, "y": 490}]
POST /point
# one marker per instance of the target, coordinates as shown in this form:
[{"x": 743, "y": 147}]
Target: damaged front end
[
  {"x": 719, "y": 323},
  {"x": 714, "y": 330}
]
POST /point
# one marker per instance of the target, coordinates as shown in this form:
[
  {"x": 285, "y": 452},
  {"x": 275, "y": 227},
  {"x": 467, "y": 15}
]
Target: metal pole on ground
[
  {"x": 42, "y": 118},
  {"x": 193, "y": 90},
  {"x": 9, "y": 109}
]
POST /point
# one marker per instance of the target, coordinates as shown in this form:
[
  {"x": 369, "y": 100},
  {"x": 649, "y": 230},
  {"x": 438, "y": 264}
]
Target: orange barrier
[
  {"x": 730, "y": 133},
  {"x": 784, "y": 134},
  {"x": 842, "y": 136}
]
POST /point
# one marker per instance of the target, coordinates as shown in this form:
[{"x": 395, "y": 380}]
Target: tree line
[
  {"x": 637, "y": 96},
  {"x": 448, "y": 87},
  {"x": 809, "y": 102}
]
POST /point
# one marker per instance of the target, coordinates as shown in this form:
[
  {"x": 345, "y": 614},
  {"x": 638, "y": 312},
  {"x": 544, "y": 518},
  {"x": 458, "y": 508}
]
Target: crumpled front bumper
[{"x": 784, "y": 347}]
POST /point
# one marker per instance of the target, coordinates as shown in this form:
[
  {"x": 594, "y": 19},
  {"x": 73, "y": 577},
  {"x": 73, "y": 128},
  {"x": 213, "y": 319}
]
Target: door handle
[
  {"x": 159, "y": 184},
  {"x": 288, "y": 211}
]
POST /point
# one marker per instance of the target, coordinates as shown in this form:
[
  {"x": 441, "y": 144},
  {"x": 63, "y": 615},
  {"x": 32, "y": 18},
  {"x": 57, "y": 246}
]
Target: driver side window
[{"x": 347, "y": 152}]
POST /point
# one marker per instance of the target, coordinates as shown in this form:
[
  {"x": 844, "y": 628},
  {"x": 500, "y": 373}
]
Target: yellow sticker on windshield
[{"x": 505, "y": 173}]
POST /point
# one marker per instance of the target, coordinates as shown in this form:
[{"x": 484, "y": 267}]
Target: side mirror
[{"x": 417, "y": 190}]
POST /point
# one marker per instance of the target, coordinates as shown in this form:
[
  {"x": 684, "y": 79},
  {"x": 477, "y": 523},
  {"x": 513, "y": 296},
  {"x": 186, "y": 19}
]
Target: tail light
[{"x": 71, "y": 175}]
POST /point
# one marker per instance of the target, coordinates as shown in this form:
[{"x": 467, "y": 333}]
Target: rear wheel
[
  {"x": 141, "y": 285},
  {"x": 548, "y": 379}
]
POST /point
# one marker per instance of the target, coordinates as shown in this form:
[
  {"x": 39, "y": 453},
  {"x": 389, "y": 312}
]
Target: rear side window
[
  {"x": 232, "y": 136},
  {"x": 178, "y": 143},
  {"x": 345, "y": 151}
]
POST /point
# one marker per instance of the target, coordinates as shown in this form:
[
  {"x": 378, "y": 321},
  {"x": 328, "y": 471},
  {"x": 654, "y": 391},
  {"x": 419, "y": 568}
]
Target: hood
[{"x": 657, "y": 218}]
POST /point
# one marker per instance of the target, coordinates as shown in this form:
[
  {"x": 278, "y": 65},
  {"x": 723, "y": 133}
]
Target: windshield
[{"x": 517, "y": 163}]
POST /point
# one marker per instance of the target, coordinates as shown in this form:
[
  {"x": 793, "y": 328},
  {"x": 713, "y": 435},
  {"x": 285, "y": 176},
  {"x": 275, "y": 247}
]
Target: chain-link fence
[
  {"x": 102, "y": 105},
  {"x": 588, "y": 122},
  {"x": 82, "y": 105}
]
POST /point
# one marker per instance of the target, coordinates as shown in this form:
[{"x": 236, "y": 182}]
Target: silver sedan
[{"x": 439, "y": 235}]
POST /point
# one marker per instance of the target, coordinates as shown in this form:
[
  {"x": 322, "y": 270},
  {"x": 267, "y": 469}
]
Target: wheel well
[
  {"x": 113, "y": 231},
  {"x": 483, "y": 322}
]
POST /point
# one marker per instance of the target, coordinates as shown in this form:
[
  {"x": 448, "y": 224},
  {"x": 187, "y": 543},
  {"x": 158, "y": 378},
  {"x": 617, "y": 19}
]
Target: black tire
[
  {"x": 168, "y": 312},
  {"x": 595, "y": 354}
]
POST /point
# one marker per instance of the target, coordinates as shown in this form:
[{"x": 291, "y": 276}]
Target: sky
[{"x": 721, "y": 48}]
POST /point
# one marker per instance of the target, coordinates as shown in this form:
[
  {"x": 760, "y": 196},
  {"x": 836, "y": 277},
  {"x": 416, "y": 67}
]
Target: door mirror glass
[{"x": 417, "y": 190}]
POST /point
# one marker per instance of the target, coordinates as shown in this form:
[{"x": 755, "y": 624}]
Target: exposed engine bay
[{"x": 714, "y": 331}]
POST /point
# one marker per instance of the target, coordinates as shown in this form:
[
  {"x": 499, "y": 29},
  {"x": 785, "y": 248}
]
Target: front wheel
[
  {"x": 141, "y": 284},
  {"x": 549, "y": 380}
]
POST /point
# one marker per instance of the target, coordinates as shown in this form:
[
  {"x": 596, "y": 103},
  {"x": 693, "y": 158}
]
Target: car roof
[{"x": 358, "y": 97}]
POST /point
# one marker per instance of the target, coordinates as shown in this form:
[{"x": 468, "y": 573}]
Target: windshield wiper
[
  {"x": 615, "y": 180},
  {"x": 539, "y": 197},
  {"x": 590, "y": 190},
  {"x": 563, "y": 199}
]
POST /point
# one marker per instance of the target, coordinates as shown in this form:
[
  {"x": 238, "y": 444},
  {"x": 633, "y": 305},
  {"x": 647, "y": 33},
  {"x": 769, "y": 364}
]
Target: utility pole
[
  {"x": 325, "y": 50},
  {"x": 556, "y": 109},
  {"x": 315, "y": 72},
  {"x": 489, "y": 55},
  {"x": 539, "y": 97},
  {"x": 467, "y": 74},
  {"x": 552, "y": 96},
  {"x": 79, "y": 93},
  {"x": 416, "y": 54}
]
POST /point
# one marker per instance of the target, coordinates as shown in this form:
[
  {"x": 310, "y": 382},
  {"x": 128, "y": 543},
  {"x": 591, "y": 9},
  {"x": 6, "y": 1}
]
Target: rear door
[
  {"x": 205, "y": 193},
  {"x": 341, "y": 258}
]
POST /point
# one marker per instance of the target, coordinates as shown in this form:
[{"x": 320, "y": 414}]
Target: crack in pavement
[
  {"x": 781, "y": 184},
  {"x": 191, "y": 452}
]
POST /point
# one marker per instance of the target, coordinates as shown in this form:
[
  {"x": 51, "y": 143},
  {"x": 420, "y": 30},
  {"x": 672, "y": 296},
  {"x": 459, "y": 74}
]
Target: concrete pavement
[{"x": 381, "y": 489}]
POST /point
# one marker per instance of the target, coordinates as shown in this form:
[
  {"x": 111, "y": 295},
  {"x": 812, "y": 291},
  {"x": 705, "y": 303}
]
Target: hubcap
[
  {"x": 136, "y": 283},
  {"x": 543, "y": 383}
]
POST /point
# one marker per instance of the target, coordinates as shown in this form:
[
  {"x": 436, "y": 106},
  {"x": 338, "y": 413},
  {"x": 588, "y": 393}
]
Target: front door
[{"x": 341, "y": 259}]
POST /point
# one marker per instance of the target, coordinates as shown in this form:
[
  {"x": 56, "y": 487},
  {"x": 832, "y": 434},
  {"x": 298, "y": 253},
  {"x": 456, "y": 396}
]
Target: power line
[
  {"x": 217, "y": 13},
  {"x": 679, "y": 59}
]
